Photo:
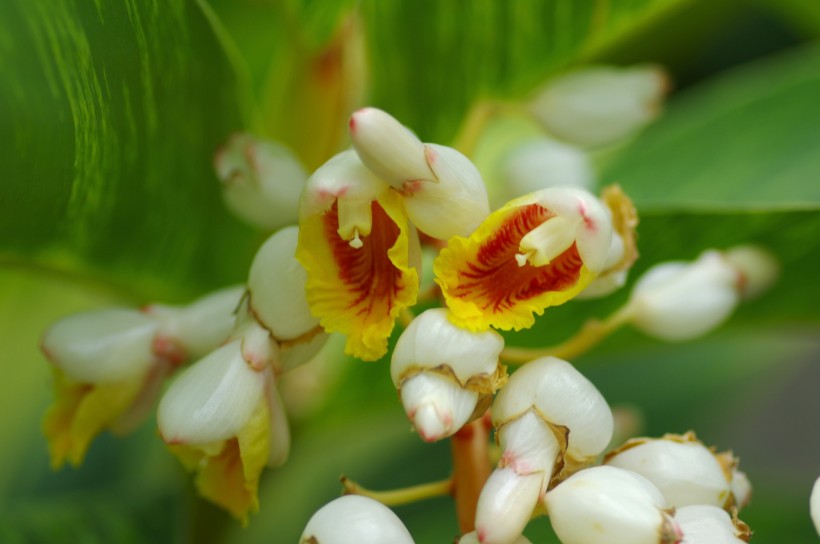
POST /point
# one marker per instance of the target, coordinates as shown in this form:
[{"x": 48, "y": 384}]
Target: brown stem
[{"x": 471, "y": 468}]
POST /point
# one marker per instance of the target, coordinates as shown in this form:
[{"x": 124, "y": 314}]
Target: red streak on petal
[
  {"x": 373, "y": 281},
  {"x": 494, "y": 281}
]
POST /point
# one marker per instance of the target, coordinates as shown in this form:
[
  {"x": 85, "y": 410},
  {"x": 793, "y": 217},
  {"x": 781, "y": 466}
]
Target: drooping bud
[
  {"x": 443, "y": 191},
  {"x": 544, "y": 162},
  {"x": 600, "y": 105},
  {"x": 757, "y": 267},
  {"x": 679, "y": 300},
  {"x": 537, "y": 251},
  {"x": 261, "y": 181},
  {"x": 443, "y": 371},
  {"x": 684, "y": 470},
  {"x": 201, "y": 326},
  {"x": 705, "y": 524},
  {"x": 354, "y": 519},
  {"x": 550, "y": 422},
  {"x": 601, "y": 505}
]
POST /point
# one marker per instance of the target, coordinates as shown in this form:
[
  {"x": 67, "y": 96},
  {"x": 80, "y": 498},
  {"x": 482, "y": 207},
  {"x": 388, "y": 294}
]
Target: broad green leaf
[
  {"x": 111, "y": 112},
  {"x": 745, "y": 140}
]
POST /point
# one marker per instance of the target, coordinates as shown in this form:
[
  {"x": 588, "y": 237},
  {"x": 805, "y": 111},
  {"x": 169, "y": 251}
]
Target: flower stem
[
  {"x": 591, "y": 334},
  {"x": 396, "y": 497},
  {"x": 471, "y": 468}
]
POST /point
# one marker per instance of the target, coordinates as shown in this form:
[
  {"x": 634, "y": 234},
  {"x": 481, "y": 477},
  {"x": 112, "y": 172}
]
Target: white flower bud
[
  {"x": 814, "y": 505},
  {"x": 454, "y": 203},
  {"x": 354, "y": 519},
  {"x": 203, "y": 325},
  {"x": 543, "y": 162},
  {"x": 262, "y": 181},
  {"x": 704, "y": 524},
  {"x": 758, "y": 269},
  {"x": 276, "y": 283},
  {"x": 600, "y": 105},
  {"x": 601, "y": 505},
  {"x": 212, "y": 399},
  {"x": 564, "y": 398},
  {"x": 682, "y": 468},
  {"x": 472, "y": 538},
  {"x": 741, "y": 488},
  {"x": 388, "y": 148},
  {"x": 102, "y": 346},
  {"x": 678, "y": 300},
  {"x": 505, "y": 505},
  {"x": 442, "y": 370}
]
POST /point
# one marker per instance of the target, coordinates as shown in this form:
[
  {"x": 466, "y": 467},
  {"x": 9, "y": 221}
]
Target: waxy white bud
[
  {"x": 442, "y": 370},
  {"x": 354, "y": 519},
  {"x": 203, "y": 325},
  {"x": 681, "y": 467},
  {"x": 704, "y": 524},
  {"x": 506, "y": 504},
  {"x": 814, "y": 505},
  {"x": 544, "y": 162},
  {"x": 276, "y": 285},
  {"x": 757, "y": 267},
  {"x": 602, "y": 505},
  {"x": 472, "y": 538},
  {"x": 600, "y": 105},
  {"x": 741, "y": 488},
  {"x": 444, "y": 192},
  {"x": 679, "y": 300},
  {"x": 261, "y": 181},
  {"x": 102, "y": 346}
]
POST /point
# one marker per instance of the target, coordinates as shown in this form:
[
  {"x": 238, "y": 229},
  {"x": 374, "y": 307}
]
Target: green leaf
[
  {"x": 111, "y": 112},
  {"x": 745, "y": 140}
]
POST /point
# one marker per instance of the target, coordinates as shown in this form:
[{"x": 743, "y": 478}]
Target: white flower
[
  {"x": 354, "y": 519},
  {"x": 679, "y": 300},
  {"x": 261, "y": 181},
  {"x": 704, "y": 524},
  {"x": 602, "y": 505},
  {"x": 441, "y": 372},
  {"x": 600, "y": 105},
  {"x": 544, "y": 162}
]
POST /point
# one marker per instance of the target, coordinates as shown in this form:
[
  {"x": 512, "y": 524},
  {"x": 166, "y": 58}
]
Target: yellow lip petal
[
  {"x": 359, "y": 291},
  {"x": 483, "y": 283}
]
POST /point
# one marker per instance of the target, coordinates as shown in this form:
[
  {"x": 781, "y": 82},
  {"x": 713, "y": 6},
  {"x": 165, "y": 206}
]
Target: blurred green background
[{"x": 110, "y": 112}]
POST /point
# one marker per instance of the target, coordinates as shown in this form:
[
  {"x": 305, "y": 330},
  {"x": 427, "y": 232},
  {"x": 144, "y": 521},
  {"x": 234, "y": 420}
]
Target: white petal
[
  {"x": 814, "y": 505},
  {"x": 102, "y": 346},
  {"x": 431, "y": 340},
  {"x": 277, "y": 287},
  {"x": 302, "y": 352},
  {"x": 562, "y": 395},
  {"x": 262, "y": 181},
  {"x": 741, "y": 488},
  {"x": 542, "y": 163},
  {"x": 679, "y": 301},
  {"x": 529, "y": 446},
  {"x": 704, "y": 524},
  {"x": 600, "y": 105},
  {"x": 354, "y": 519},
  {"x": 472, "y": 538},
  {"x": 388, "y": 148},
  {"x": 453, "y": 205},
  {"x": 437, "y": 406},
  {"x": 212, "y": 399},
  {"x": 685, "y": 472},
  {"x": 505, "y": 505},
  {"x": 602, "y": 505},
  {"x": 758, "y": 267}
]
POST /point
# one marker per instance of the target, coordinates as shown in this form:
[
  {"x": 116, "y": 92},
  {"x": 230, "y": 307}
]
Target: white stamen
[
  {"x": 547, "y": 241},
  {"x": 356, "y": 242},
  {"x": 355, "y": 219}
]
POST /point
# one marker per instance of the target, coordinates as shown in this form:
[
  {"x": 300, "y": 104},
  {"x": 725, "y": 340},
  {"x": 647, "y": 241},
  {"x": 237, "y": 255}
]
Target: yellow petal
[
  {"x": 228, "y": 473},
  {"x": 80, "y": 412},
  {"x": 360, "y": 291},
  {"x": 483, "y": 284}
]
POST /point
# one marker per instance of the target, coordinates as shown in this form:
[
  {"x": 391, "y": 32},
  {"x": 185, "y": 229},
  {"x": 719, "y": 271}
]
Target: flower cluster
[{"x": 353, "y": 266}]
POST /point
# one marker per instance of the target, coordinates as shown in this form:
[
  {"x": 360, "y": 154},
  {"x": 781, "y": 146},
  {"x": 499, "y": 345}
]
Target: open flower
[
  {"x": 537, "y": 251},
  {"x": 360, "y": 254},
  {"x": 110, "y": 364}
]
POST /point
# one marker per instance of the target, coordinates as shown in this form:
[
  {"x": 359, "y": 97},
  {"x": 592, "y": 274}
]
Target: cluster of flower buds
[
  {"x": 109, "y": 364},
  {"x": 550, "y": 421},
  {"x": 223, "y": 416},
  {"x": 679, "y": 300},
  {"x": 261, "y": 181},
  {"x": 445, "y": 375}
]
